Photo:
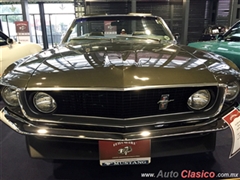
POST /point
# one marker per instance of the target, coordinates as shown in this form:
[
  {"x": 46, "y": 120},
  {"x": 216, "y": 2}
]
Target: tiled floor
[{"x": 15, "y": 164}]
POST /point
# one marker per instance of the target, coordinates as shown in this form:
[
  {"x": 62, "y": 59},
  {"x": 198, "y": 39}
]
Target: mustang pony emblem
[
  {"x": 163, "y": 102},
  {"x": 125, "y": 150}
]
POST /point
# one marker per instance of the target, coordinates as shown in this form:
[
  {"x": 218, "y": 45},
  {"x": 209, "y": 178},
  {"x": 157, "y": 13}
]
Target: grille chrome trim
[
  {"x": 114, "y": 122},
  {"x": 120, "y": 104}
]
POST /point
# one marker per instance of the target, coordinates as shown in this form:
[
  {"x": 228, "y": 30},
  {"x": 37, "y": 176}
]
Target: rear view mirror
[{"x": 115, "y": 23}]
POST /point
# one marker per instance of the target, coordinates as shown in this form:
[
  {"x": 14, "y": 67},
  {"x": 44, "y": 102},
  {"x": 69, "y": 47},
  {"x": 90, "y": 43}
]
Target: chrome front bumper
[{"x": 22, "y": 126}]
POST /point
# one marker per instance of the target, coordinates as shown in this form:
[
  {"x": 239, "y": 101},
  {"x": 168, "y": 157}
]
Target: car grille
[{"x": 123, "y": 104}]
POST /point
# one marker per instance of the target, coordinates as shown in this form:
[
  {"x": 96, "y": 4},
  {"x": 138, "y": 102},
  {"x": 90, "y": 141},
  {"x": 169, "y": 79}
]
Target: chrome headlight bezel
[
  {"x": 44, "y": 103},
  {"x": 199, "y": 100},
  {"x": 10, "y": 95},
  {"x": 232, "y": 91}
]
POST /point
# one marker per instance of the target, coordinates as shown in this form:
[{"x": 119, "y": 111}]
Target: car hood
[
  {"x": 118, "y": 65},
  {"x": 216, "y": 45},
  {"x": 15, "y": 51},
  {"x": 228, "y": 49}
]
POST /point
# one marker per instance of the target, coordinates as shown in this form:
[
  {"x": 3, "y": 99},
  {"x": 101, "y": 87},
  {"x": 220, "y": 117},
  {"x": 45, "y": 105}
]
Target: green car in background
[{"x": 227, "y": 45}]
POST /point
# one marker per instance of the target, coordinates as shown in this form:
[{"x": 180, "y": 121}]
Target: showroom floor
[{"x": 17, "y": 165}]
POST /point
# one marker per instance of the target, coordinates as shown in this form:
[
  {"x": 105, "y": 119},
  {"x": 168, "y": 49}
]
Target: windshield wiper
[
  {"x": 145, "y": 38},
  {"x": 82, "y": 41}
]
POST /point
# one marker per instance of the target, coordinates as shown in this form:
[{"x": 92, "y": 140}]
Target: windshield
[
  {"x": 118, "y": 28},
  {"x": 233, "y": 34}
]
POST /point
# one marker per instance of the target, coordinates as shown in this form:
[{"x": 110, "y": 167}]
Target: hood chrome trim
[{"x": 118, "y": 89}]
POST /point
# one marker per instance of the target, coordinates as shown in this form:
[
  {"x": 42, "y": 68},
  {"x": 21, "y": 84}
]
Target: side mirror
[
  {"x": 177, "y": 36},
  {"x": 9, "y": 41},
  {"x": 220, "y": 37}
]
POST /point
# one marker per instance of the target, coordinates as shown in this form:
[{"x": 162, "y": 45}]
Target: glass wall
[
  {"x": 58, "y": 17},
  {"x": 10, "y": 14}
]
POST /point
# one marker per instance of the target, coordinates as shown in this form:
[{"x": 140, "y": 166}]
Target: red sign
[
  {"x": 22, "y": 30},
  {"x": 229, "y": 118},
  {"x": 124, "y": 152},
  {"x": 21, "y": 27},
  {"x": 109, "y": 29},
  {"x": 233, "y": 120}
]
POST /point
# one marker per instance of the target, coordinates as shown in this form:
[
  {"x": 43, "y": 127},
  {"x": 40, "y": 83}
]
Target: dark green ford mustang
[
  {"x": 119, "y": 98},
  {"x": 227, "y": 45}
]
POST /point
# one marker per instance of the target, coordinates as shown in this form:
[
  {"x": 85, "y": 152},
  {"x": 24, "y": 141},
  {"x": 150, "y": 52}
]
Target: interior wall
[
  {"x": 201, "y": 12},
  {"x": 170, "y": 11},
  {"x": 196, "y": 19},
  {"x": 223, "y": 12}
]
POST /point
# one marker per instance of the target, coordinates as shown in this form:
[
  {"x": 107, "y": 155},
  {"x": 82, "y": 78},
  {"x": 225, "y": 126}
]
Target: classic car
[
  {"x": 211, "y": 32},
  {"x": 227, "y": 45},
  {"x": 11, "y": 50},
  {"x": 119, "y": 98}
]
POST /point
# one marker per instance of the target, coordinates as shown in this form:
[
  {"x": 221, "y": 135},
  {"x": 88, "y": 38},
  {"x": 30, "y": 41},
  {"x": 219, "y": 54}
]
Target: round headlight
[
  {"x": 199, "y": 99},
  {"x": 232, "y": 91},
  {"x": 9, "y": 95},
  {"x": 44, "y": 102}
]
